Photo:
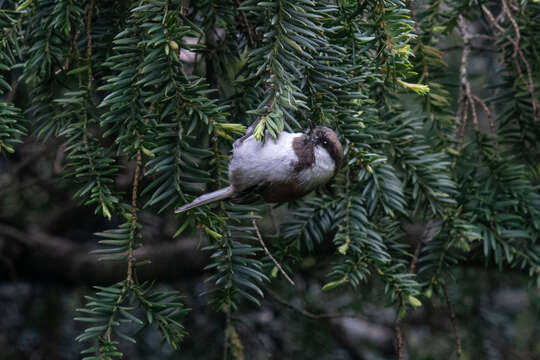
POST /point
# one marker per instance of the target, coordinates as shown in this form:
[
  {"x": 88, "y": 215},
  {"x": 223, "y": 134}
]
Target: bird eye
[{"x": 325, "y": 142}]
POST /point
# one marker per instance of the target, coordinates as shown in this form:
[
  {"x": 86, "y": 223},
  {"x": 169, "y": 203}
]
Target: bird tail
[{"x": 206, "y": 199}]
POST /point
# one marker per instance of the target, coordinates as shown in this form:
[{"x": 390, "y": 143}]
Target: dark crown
[{"x": 327, "y": 138}]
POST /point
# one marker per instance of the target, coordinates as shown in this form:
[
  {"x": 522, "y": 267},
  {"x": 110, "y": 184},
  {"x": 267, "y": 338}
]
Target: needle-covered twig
[{"x": 268, "y": 252}]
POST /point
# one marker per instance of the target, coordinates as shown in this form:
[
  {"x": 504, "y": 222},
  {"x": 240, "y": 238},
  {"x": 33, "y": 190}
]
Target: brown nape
[
  {"x": 333, "y": 147},
  {"x": 303, "y": 148}
]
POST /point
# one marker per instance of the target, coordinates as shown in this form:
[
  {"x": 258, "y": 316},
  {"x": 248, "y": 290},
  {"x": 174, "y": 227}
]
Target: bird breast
[
  {"x": 320, "y": 172},
  {"x": 279, "y": 168},
  {"x": 254, "y": 162}
]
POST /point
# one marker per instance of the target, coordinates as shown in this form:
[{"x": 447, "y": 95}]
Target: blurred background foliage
[{"x": 424, "y": 246}]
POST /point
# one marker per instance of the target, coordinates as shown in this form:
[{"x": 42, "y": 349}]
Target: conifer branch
[
  {"x": 400, "y": 347},
  {"x": 348, "y": 65},
  {"x": 134, "y": 193},
  {"x": 466, "y": 101},
  {"x": 453, "y": 321},
  {"x": 261, "y": 241},
  {"x": 518, "y": 54},
  {"x": 248, "y": 27},
  {"x": 89, "y": 41}
]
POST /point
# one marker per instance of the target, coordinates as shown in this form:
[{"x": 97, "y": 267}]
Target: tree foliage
[{"x": 160, "y": 88}]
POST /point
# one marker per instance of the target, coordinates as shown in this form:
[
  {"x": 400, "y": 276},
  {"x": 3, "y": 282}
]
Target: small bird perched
[{"x": 277, "y": 170}]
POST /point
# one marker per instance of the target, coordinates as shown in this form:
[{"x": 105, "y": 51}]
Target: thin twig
[
  {"x": 131, "y": 257},
  {"x": 508, "y": 13},
  {"x": 226, "y": 339},
  {"x": 268, "y": 252},
  {"x": 518, "y": 53},
  {"x": 482, "y": 104},
  {"x": 453, "y": 321},
  {"x": 89, "y": 41},
  {"x": 73, "y": 49},
  {"x": 274, "y": 223},
  {"x": 462, "y": 98},
  {"x": 464, "y": 123},
  {"x": 466, "y": 101},
  {"x": 246, "y": 23},
  {"x": 400, "y": 351},
  {"x": 400, "y": 345},
  {"x": 107, "y": 336},
  {"x": 11, "y": 94},
  {"x": 415, "y": 256},
  {"x": 492, "y": 19},
  {"x": 304, "y": 312},
  {"x": 425, "y": 69},
  {"x": 60, "y": 155},
  {"x": 530, "y": 85}
]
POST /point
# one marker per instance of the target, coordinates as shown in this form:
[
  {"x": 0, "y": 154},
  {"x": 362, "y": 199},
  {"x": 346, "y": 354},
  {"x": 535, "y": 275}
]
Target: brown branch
[
  {"x": 54, "y": 259},
  {"x": 248, "y": 27},
  {"x": 130, "y": 256},
  {"x": 68, "y": 59},
  {"x": 465, "y": 100},
  {"x": 226, "y": 337},
  {"x": 508, "y": 13},
  {"x": 465, "y": 117},
  {"x": 530, "y": 86},
  {"x": 463, "y": 80},
  {"x": 416, "y": 254},
  {"x": 425, "y": 69},
  {"x": 268, "y": 252},
  {"x": 400, "y": 349},
  {"x": 494, "y": 23},
  {"x": 453, "y": 321},
  {"x": 517, "y": 53},
  {"x": 12, "y": 92},
  {"x": 60, "y": 155},
  {"x": 417, "y": 234},
  {"x": 89, "y": 41}
]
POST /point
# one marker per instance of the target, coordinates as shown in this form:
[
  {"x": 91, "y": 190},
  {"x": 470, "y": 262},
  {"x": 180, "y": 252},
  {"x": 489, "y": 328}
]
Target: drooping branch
[
  {"x": 261, "y": 241},
  {"x": 89, "y": 41},
  {"x": 466, "y": 101},
  {"x": 517, "y": 55},
  {"x": 400, "y": 347},
  {"x": 453, "y": 321},
  {"x": 251, "y": 35},
  {"x": 134, "y": 193}
]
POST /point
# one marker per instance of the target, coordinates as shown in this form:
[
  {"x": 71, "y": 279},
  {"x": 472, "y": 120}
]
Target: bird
[{"x": 278, "y": 170}]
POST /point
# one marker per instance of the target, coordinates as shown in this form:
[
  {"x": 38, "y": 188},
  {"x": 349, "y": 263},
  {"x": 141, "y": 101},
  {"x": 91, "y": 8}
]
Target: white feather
[
  {"x": 252, "y": 158},
  {"x": 321, "y": 171},
  {"x": 274, "y": 161}
]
